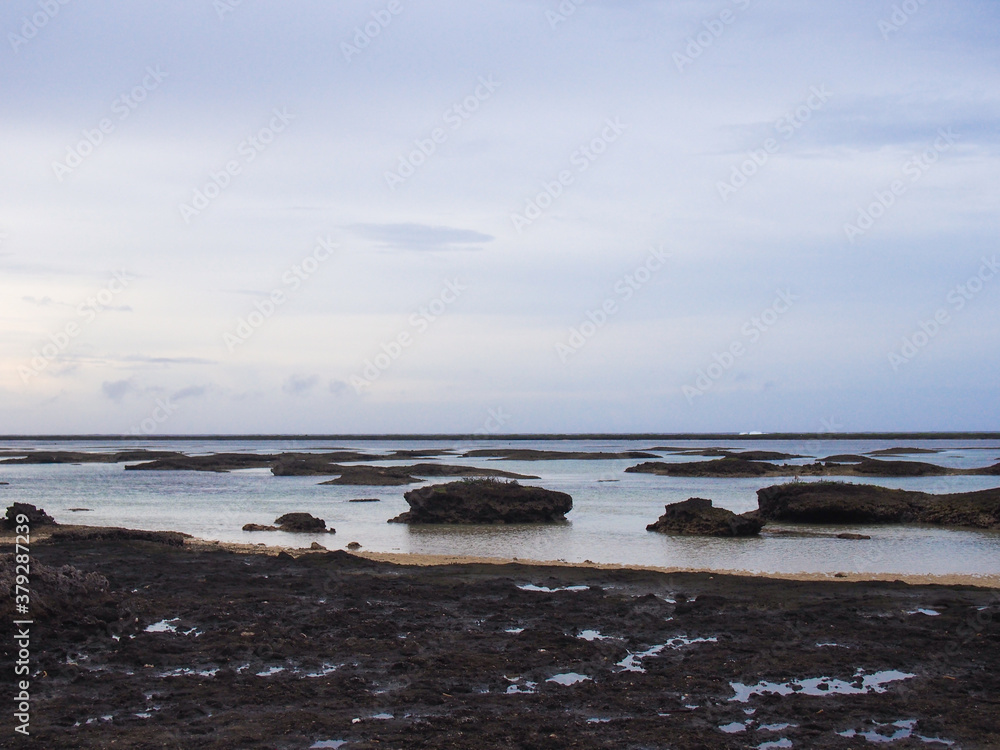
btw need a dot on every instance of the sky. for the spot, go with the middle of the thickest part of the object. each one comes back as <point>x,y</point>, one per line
<point>499,217</point>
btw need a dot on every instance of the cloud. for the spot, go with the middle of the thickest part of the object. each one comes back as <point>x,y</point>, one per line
<point>116,390</point>
<point>299,385</point>
<point>41,302</point>
<point>192,391</point>
<point>141,358</point>
<point>421,237</point>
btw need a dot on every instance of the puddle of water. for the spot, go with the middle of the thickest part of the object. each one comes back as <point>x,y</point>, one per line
<point>515,631</point>
<point>734,728</point>
<point>270,671</point>
<point>184,671</point>
<point>163,626</point>
<point>831,645</point>
<point>528,687</point>
<point>598,721</point>
<point>324,670</point>
<point>928,612</point>
<point>774,727</point>
<point>903,730</point>
<point>631,663</point>
<point>592,635</point>
<point>783,742</point>
<point>819,686</point>
<point>568,678</point>
<point>381,717</point>
<point>327,743</point>
<point>547,590</point>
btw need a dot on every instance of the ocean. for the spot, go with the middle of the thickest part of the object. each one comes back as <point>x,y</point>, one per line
<point>607,524</point>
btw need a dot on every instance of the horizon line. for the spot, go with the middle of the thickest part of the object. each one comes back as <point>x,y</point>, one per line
<point>889,435</point>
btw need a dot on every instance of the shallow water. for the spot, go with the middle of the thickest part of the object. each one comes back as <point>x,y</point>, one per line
<point>607,523</point>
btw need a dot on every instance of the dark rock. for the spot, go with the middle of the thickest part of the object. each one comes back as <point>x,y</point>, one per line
<point>848,535</point>
<point>398,475</point>
<point>696,516</point>
<point>316,545</point>
<point>484,501</point>
<point>527,454</point>
<point>721,467</point>
<point>300,522</point>
<point>258,527</point>
<point>354,545</point>
<point>36,516</point>
<point>841,503</point>
<point>835,466</point>
<point>901,451</point>
<point>116,534</point>
<point>364,500</point>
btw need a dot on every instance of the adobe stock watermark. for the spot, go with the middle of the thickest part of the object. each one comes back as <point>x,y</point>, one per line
<point>914,169</point>
<point>291,280</point>
<point>581,158</point>
<point>160,414</point>
<point>714,28</point>
<point>494,422</point>
<point>87,310</point>
<point>562,13</point>
<point>454,117</point>
<point>363,35</point>
<point>901,15</point>
<point>957,298</point>
<point>752,330</point>
<point>122,106</point>
<point>419,322</point>
<point>786,126</point>
<point>224,7</point>
<point>624,289</point>
<point>249,149</point>
<point>30,26</point>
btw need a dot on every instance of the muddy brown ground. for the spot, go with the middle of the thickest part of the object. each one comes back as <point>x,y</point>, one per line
<point>283,652</point>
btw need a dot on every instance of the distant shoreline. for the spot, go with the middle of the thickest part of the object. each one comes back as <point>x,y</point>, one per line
<point>538,436</point>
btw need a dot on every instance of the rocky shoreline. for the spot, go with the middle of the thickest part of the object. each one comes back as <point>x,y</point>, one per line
<point>143,640</point>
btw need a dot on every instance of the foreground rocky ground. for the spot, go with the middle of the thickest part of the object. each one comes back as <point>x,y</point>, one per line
<point>200,647</point>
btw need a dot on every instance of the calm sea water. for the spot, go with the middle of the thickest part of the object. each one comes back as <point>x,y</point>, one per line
<point>607,523</point>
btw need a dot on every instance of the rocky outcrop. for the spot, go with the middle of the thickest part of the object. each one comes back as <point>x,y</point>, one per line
<point>842,503</point>
<point>76,457</point>
<point>484,501</point>
<point>721,467</point>
<point>387,476</point>
<point>696,516</point>
<point>304,523</point>
<point>116,534</point>
<point>36,516</point>
<point>528,454</point>
<point>834,466</point>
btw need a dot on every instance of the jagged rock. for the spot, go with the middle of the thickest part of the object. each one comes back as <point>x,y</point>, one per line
<point>36,516</point>
<point>696,516</point>
<point>294,522</point>
<point>484,501</point>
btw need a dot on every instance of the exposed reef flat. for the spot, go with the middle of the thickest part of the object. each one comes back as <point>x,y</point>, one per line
<point>145,644</point>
